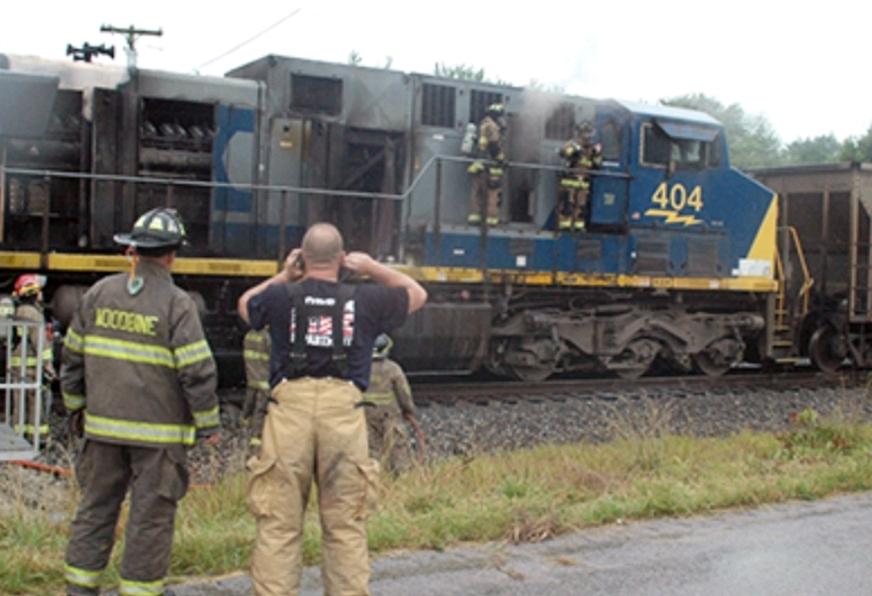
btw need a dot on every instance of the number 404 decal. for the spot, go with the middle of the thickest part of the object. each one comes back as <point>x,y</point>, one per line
<point>671,201</point>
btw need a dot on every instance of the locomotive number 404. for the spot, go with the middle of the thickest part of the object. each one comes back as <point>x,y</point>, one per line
<point>677,198</point>
<point>671,201</point>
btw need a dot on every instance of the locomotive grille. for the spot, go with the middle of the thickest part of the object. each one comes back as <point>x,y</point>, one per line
<point>652,256</point>
<point>521,246</point>
<point>479,101</point>
<point>437,105</point>
<point>316,94</point>
<point>561,123</point>
<point>702,256</point>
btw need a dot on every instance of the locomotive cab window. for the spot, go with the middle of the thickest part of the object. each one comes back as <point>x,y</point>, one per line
<point>656,146</point>
<point>694,149</point>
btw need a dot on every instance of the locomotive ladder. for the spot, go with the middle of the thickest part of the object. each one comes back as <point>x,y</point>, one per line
<point>789,313</point>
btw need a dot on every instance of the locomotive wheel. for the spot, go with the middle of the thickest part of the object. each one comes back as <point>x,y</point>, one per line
<point>710,366</point>
<point>827,349</point>
<point>636,359</point>
<point>532,374</point>
<point>717,359</point>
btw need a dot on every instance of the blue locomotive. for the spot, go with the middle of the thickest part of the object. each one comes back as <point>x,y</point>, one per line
<point>676,261</point>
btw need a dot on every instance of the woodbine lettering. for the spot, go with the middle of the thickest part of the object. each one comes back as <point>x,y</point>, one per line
<point>122,320</point>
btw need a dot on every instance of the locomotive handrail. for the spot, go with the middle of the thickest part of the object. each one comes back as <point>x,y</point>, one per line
<point>535,166</point>
<point>201,184</point>
<point>808,281</point>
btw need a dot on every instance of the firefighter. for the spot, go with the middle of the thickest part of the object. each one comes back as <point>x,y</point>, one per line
<point>28,294</point>
<point>322,334</point>
<point>391,396</point>
<point>580,152</point>
<point>139,380</point>
<point>255,352</point>
<point>487,170</point>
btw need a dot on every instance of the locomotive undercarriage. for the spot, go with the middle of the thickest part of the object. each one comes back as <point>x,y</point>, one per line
<point>625,336</point>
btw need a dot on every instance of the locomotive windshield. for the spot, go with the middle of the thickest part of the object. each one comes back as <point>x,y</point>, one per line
<point>688,148</point>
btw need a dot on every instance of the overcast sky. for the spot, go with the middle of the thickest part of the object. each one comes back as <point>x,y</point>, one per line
<point>801,64</point>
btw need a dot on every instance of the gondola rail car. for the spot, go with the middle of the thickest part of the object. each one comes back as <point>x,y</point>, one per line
<point>677,262</point>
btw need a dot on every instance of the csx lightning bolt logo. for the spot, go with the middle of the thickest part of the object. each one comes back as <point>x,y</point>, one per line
<point>671,201</point>
<point>672,217</point>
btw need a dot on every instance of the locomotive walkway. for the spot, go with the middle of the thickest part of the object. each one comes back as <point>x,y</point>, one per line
<point>810,548</point>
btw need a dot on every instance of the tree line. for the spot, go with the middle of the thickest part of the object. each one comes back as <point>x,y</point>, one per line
<point>753,142</point>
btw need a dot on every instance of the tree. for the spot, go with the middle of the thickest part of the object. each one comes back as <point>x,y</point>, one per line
<point>857,148</point>
<point>465,72</point>
<point>821,149</point>
<point>751,139</point>
<point>354,59</point>
<point>460,71</point>
<point>537,85</point>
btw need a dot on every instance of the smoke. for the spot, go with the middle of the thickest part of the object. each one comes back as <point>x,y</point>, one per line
<point>77,76</point>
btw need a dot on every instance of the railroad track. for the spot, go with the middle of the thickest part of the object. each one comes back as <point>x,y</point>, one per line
<point>450,391</point>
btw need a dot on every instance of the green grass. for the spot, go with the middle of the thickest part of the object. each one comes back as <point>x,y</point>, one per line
<point>525,495</point>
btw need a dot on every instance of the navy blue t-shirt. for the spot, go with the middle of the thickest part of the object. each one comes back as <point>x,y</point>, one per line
<point>372,310</point>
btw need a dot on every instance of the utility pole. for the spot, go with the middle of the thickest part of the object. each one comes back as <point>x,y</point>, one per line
<point>131,34</point>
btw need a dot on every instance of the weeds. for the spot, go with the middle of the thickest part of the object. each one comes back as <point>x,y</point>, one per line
<point>527,495</point>
<point>810,436</point>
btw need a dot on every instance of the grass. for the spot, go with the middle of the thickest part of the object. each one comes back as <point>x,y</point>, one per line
<point>520,496</point>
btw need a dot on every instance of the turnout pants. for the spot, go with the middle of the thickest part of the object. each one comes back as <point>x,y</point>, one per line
<point>388,439</point>
<point>315,430</point>
<point>485,192</point>
<point>254,407</point>
<point>158,479</point>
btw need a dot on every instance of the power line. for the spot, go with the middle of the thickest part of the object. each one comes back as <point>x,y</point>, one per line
<point>247,41</point>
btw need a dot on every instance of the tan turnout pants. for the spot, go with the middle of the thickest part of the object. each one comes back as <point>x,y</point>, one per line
<point>388,439</point>
<point>315,431</point>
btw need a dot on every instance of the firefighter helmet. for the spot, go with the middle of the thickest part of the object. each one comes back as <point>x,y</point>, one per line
<point>155,229</point>
<point>28,284</point>
<point>496,110</point>
<point>382,346</point>
<point>585,129</point>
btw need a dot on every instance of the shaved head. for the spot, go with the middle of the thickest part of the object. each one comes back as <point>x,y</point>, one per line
<point>322,245</point>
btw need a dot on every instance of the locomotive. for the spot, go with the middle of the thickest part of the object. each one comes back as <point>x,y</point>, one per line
<point>678,263</point>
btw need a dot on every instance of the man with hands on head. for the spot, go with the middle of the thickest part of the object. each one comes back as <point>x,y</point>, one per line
<point>322,334</point>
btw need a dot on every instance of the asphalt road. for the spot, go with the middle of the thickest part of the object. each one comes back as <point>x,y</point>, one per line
<point>807,548</point>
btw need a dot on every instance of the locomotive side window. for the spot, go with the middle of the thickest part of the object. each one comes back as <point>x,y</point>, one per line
<point>438,105</point>
<point>561,123</point>
<point>316,94</point>
<point>656,146</point>
<point>610,137</point>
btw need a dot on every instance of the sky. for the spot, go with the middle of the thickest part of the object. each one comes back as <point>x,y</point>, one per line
<point>799,64</point>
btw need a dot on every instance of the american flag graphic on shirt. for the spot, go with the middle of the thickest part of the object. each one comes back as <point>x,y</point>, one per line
<point>319,328</point>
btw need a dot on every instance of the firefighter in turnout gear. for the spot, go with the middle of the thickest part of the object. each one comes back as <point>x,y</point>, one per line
<point>487,170</point>
<point>391,396</point>
<point>255,352</point>
<point>28,294</point>
<point>139,380</point>
<point>579,152</point>
<point>322,334</point>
